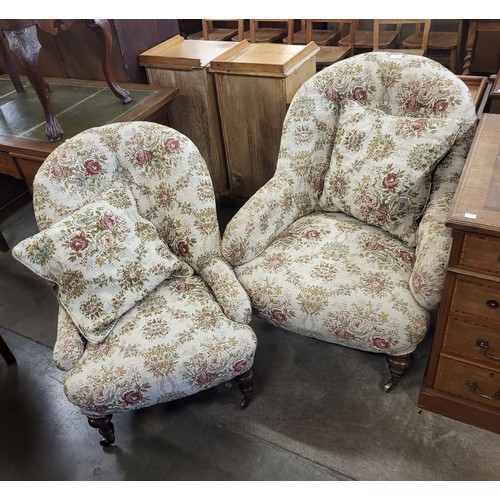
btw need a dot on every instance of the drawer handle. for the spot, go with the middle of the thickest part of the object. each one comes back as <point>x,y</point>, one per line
<point>484,345</point>
<point>473,387</point>
<point>492,304</point>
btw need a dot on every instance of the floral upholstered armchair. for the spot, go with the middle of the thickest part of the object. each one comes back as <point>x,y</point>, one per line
<point>150,310</point>
<point>347,242</point>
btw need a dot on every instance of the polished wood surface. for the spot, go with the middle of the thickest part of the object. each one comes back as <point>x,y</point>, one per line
<point>462,379</point>
<point>185,64</point>
<point>476,206</point>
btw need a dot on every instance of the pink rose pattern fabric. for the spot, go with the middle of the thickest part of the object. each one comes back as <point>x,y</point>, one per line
<point>104,258</point>
<point>271,242</point>
<point>188,334</point>
<point>381,167</point>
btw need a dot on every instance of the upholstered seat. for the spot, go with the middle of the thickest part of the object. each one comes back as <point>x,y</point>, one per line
<point>185,333</point>
<point>318,248</point>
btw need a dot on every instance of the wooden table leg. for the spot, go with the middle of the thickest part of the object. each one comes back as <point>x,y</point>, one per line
<point>6,352</point>
<point>25,45</point>
<point>103,31</point>
<point>4,246</point>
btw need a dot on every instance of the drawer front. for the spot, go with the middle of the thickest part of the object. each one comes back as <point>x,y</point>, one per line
<point>481,298</point>
<point>469,382</point>
<point>8,166</point>
<point>482,253</point>
<point>473,340</point>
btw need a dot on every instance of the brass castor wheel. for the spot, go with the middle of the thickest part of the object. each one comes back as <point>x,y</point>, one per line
<point>390,385</point>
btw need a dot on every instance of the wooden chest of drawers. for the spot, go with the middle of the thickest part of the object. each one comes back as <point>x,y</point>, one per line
<point>463,375</point>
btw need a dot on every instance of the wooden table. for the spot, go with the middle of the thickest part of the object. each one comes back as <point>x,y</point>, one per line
<point>462,380</point>
<point>79,104</point>
<point>23,42</point>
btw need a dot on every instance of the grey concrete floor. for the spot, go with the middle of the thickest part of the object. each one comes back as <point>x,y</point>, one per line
<point>319,413</point>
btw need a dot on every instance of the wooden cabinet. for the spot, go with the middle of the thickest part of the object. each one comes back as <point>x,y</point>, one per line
<point>185,64</point>
<point>462,380</point>
<point>255,84</point>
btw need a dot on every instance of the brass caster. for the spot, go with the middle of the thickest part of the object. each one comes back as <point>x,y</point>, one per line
<point>245,402</point>
<point>390,385</point>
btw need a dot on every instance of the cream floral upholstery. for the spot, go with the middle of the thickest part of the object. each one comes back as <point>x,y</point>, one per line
<point>191,331</point>
<point>329,275</point>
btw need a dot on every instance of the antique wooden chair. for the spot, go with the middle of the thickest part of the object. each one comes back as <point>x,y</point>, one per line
<point>260,30</point>
<point>330,54</point>
<point>419,48</point>
<point>364,39</point>
<point>213,30</point>
<point>322,35</point>
<point>438,41</point>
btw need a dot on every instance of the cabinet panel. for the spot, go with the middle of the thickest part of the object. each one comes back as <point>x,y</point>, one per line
<point>469,382</point>
<point>481,298</point>
<point>482,253</point>
<point>8,166</point>
<point>473,340</point>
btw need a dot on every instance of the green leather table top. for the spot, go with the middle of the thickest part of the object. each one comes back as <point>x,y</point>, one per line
<point>77,106</point>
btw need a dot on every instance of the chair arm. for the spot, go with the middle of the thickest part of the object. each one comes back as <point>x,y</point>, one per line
<point>69,345</point>
<point>431,256</point>
<point>228,291</point>
<point>262,218</point>
<point>434,237</point>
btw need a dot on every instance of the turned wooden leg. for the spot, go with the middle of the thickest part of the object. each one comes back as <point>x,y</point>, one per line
<point>14,77</point>
<point>6,352</point>
<point>397,367</point>
<point>25,45</point>
<point>246,386</point>
<point>103,31</point>
<point>106,428</point>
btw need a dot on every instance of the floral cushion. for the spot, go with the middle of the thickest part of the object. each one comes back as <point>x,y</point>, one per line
<point>381,166</point>
<point>174,343</point>
<point>104,258</point>
<point>337,279</point>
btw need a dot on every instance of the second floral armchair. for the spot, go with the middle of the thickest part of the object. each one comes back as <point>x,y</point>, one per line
<point>347,242</point>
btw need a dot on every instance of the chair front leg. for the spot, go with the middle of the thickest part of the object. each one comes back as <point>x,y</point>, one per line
<point>397,367</point>
<point>106,428</point>
<point>246,386</point>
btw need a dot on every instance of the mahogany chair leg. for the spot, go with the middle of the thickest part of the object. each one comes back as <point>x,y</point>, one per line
<point>246,386</point>
<point>106,428</point>
<point>397,368</point>
<point>9,67</point>
<point>6,352</point>
<point>103,31</point>
<point>25,45</point>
